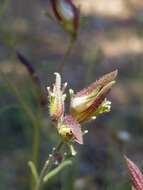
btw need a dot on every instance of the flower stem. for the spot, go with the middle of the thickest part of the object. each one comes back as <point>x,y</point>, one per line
<point>57,170</point>
<point>33,170</point>
<point>47,167</point>
<point>35,121</point>
<point>35,150</point>
<point>67,54</point>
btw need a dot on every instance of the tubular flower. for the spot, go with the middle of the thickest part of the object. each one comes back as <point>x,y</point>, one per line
<point>70,129</point>
<point>91,101</point>
<point>56,99</point>
<point>67,15</point>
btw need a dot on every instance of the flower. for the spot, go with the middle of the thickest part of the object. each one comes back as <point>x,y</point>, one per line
<point>67,15</point>
<point>56,99</point>
<point>91,101</point>
<point>84,105</point>
<point>136,175</point>
<point>70,129</point>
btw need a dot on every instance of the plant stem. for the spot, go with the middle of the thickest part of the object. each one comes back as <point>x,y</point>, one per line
<point>36,138</point>
<point>67,54</point>
<point>33,170</point>
<point>57,170</point>
<point>35,149</point>
<point>47,167</point>
<point>35,121</point>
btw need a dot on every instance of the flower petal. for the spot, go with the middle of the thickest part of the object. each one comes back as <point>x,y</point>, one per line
<point>99,84</point>
<point>56,99</point>
<point>75,128</point>
<point>86,103</point>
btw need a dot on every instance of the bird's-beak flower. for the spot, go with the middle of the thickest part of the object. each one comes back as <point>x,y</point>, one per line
<point>91,101</point>
<point>56,99</point>
<point>70,129</point>
<point>67,14</point>
<point>84,105</point>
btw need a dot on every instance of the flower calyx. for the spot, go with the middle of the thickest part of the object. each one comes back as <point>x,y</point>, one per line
<point>56,99</point>
<point>91,101</point>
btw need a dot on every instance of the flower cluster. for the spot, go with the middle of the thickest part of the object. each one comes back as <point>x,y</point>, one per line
<point>84,105</point>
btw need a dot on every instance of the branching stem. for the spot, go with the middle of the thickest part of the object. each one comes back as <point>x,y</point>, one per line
<point>47,166</point>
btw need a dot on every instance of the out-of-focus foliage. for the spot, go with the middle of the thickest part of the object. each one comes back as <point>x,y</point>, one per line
<point>110,38</point>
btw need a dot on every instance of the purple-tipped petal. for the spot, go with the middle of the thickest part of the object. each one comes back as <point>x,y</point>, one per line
<point>54,6</point>
<point>91,110</point>
<point>75,128</point>
<point>99,84</point>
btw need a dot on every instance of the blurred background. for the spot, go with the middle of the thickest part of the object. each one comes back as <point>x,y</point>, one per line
<point>111,37</point>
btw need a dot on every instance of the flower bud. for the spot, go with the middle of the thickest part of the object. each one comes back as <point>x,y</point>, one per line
<point>56,99</point>
<point>70,130</point>
<point>136,175</point>
<point>90,102</point>
<point>30,68</point>
<point>32,72</point>
<point>67,15</point>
